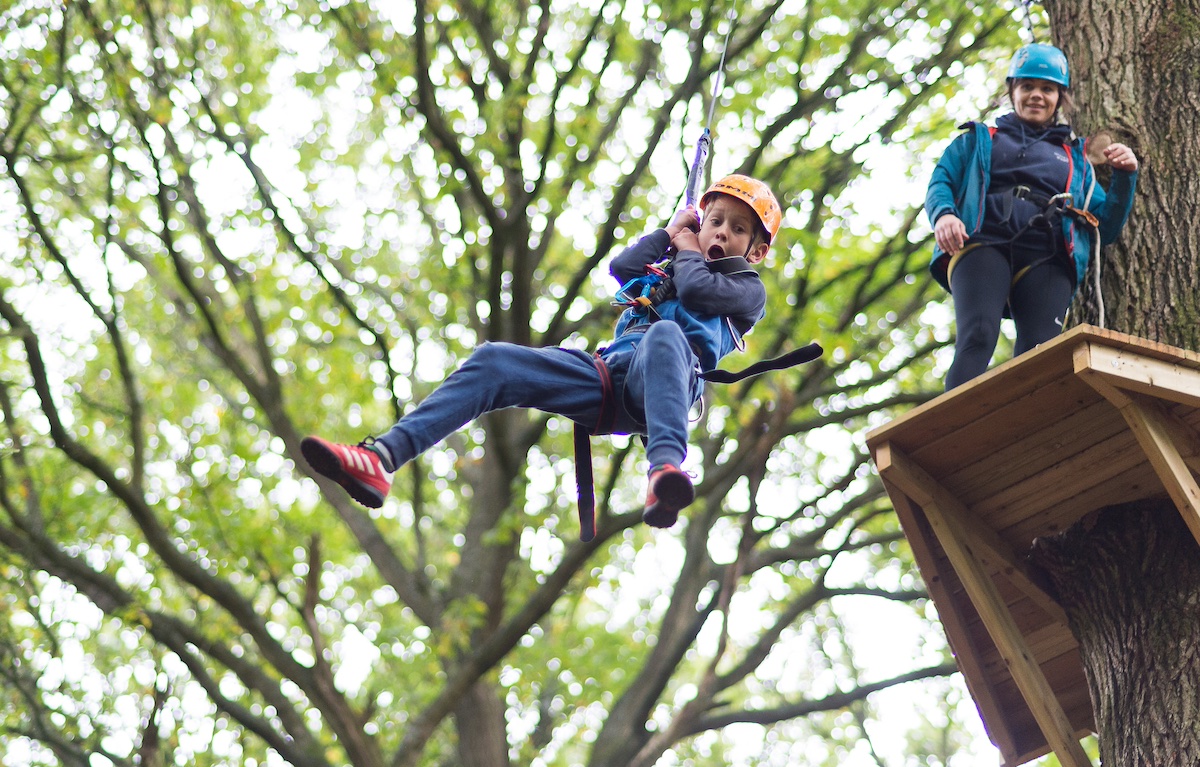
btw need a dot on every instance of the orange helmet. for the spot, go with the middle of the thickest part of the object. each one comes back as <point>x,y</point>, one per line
<point>754,193</point>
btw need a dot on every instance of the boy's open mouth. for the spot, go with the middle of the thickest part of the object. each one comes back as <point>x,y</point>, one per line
<point>715,252</point>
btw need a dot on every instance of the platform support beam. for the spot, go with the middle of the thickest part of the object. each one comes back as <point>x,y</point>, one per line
<point>1158,432</point>
<point>948,518</point>
<point>957,632</point>
<point>990,549</point>
<point>1138,373</point>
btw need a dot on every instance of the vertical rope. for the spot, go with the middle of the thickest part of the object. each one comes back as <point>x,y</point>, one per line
<point>695,180</point>
<point>1029,19</point>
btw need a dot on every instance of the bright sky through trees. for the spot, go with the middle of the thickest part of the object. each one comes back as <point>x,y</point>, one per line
<point>224,229</point>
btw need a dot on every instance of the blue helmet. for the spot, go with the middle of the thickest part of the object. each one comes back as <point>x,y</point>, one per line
<point>1040,62</point>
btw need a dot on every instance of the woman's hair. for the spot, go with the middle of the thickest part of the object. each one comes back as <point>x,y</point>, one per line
<point>1066,102</point>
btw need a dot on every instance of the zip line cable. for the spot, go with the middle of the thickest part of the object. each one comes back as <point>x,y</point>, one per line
<point>695,178</point>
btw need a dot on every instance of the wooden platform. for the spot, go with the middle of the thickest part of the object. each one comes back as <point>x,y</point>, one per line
<point>1089,419</point>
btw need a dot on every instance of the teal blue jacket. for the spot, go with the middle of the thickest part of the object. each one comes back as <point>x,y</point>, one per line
<point>960,184</point>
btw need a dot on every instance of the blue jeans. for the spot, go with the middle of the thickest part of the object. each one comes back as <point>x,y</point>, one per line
<point>656,382</point>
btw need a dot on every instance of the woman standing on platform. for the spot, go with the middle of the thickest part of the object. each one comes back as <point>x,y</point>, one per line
<point>1016,212</point>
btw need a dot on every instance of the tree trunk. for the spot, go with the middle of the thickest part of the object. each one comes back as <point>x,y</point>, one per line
<point>1129,576</point>
<point>480,577</point>
<point>1129,579</point>
<point>1134,70</point>
<point>479,722</point>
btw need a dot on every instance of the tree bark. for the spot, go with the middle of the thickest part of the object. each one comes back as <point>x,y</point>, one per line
<point>1134,69</point>
<point>1129,576</point>
<point>1129,579</point>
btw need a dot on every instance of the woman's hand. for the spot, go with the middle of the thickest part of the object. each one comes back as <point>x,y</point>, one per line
<point>1121,157</point>
<point>950,233</point>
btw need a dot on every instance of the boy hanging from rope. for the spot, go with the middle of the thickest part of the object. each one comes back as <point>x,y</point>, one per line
<point>645,382</point>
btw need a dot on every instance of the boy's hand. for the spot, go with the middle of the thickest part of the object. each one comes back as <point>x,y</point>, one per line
<point>686,218</point>
<point>686,240</point>
<point>683,229</point>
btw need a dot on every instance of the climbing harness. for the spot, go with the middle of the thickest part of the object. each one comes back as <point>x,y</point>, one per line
<point>1061,204</point>
<point>642,294</point>
<point>584,478</point>
<point>1051,209</point>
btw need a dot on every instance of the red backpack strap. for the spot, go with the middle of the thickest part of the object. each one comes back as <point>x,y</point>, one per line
<point>1070,166</point>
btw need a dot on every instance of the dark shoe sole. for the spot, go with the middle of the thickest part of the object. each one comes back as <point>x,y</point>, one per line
<point>326,462</point>
<point>672,491</point>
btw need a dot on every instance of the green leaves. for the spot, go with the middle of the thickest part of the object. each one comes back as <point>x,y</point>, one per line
<point>229,225</point>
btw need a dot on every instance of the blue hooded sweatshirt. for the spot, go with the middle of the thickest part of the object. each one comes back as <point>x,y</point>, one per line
<point>715,307</point>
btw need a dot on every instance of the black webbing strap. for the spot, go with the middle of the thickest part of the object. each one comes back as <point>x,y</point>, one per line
<point>584,479</point>
<point>792,358</point>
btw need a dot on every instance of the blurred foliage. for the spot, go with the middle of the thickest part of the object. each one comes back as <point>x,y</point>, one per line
<point>228,224</point>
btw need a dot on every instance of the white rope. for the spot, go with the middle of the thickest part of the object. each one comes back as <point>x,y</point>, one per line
<point>1028,19</point>
<point>1087,201</point>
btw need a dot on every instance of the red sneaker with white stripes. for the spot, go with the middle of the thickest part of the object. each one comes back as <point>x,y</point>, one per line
<point>355,467</point>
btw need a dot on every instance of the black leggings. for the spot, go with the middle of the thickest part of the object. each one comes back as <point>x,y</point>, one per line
<point>981,285</point>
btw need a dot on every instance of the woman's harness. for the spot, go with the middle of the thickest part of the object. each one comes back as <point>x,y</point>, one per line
<point>1052,207</point>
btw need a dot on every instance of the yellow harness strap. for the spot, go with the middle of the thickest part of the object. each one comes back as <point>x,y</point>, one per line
<point>958,256</point>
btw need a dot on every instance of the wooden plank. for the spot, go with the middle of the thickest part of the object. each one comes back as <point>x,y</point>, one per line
<point>1141,346</point>
<point>977,398</point>
<point>1027,613</point>
<point>978,439</point>
<point>1050,641</point>
<point>967,651</point>
<point>1135,483</point>
<point>1060,482</point>
<point>957,543</point>
<point>989,548</point>
<point>1173,381</point>
<point>1040,449</point>
<point>1155,430</point>
<point>1075,700</point>
<point>1160,434</point>
<point>1181,427</point>
<point>1065,674</point>
<point>1025,373</point>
